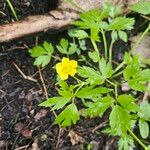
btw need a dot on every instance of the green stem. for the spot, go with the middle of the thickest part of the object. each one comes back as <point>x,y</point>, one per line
<point>117,74</point>
<point>97,51</point>
<point>12,9</point>
<point>137,139</point>
<point>105,43</point>
<point>110,51</point>
<point>115,86</point>
<point>119,67</point>
<point>140,38</point>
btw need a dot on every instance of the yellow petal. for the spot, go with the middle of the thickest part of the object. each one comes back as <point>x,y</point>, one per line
<point>65,61</point>
<point>59,68</point>
<point>63,76</point>
<point>73,72</point>
<point>73,64</point>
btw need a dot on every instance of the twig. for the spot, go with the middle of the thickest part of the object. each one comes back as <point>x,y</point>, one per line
<point>58,139</point>
<point>23,75</point>
<point>43,83</point>
<point>100,126</point>
<point>44,87</point>
<point>22,147</point>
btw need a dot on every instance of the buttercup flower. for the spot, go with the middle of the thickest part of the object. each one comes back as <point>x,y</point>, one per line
<point>66,67</point>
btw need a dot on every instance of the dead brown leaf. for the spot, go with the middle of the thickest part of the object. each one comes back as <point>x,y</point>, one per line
<point>42,113</point>
<point>75,138</point>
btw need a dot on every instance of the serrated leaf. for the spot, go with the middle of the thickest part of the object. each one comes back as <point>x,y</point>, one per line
<point>80,34</point>
<point>95,33</point>
<point>144,128</point>
<point>127,58</point>
<point>119,120</point>
<point>37,51</point>
<point>93,56</point>
<point>121,23</point>
<point>42,54</point>
<point>91,92</point>
<point>128,103</point>
<point>63,84</point>
<point>106,69</point>
<point>62,48</point>
<point>82,45</point>
<point>98,108</point>
<point>123,36</point>
<point>72,49</point>
<point>126,143</point>
<point>92,76</point>
<point>141,7</point>
<point>55,102</point>
<point>48,47</point>
<point>42,60</point>
<point>68,116</point>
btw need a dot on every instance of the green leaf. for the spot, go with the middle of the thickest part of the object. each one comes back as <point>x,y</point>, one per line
<point>91,92</point>
<point>128,103</point>
<point>55,102</point>
<point>82,45</point>
<point>72,49</point>
<point>63,46</point>
<point>42,54</point>
<point>113,10</point>
<point>92,76</point>
<point>144,128</point>
<point>66,92</point>
<point>123,36</point>
<point>141,7</point>
<point>104,25</point>
<point>121,23</point>
<point>98,108</point>
<point>106,69</point>
<point>48,47</point>
<point>95,33</point>
<point>42,60</point>
<point>126,143</point>
<point>127,58</point>
<point>93,56</point>
<point>144,111</point>
<point>119,120</point>
<point>80,34</point>
<point>63,84</point>
<point>114,36</point>
<point>37,51</point>
<point>68,116</point>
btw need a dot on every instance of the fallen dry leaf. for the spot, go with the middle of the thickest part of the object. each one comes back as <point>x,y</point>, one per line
<point>75,138</point>
<point>19,126</point>
<point>24,131</point>
<point>42,113</point>
<point>35,145</point>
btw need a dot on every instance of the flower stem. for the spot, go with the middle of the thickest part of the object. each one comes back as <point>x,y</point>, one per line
<point>115,86</point>
<point>140,38</point>
<point>137,139</point>
<point>97,51</point>
<point>105,43</point>
<point>119,67</point>
<point>110,51</point>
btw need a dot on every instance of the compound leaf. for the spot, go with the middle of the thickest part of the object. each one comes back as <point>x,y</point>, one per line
<point>55,102</point>
<point>68,116</point>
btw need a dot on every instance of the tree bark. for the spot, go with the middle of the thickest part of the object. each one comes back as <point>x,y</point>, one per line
<point>55,20</point>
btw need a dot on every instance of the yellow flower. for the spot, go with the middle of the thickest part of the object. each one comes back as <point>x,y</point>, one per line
<point>66,67</point>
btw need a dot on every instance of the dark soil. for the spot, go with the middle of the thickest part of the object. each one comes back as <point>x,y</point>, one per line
<point>25,125</point>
